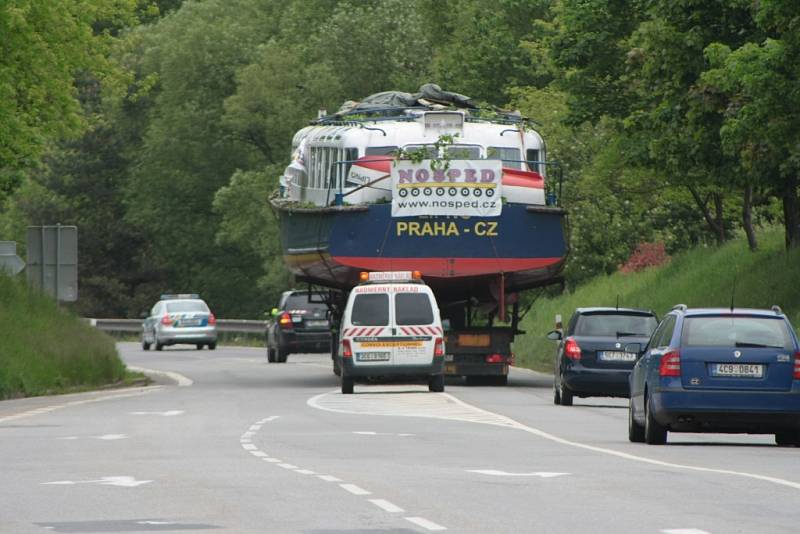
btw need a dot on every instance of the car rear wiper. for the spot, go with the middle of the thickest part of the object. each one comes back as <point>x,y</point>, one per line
<point>757,345</point>
<point>623,334</point>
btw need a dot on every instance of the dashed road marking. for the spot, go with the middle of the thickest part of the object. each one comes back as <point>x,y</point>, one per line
<point>386,506</point>
<point>493,472</point>
<point>426,524</point>
<point>389,507</point>
<point>355,490</point>
<point>684,531</point>
<point>168,413</point>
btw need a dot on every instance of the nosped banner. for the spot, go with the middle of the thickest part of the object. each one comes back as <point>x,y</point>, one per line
<point>465,188</point>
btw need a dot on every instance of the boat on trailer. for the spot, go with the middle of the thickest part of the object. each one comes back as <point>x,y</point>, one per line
<point>389,188</point>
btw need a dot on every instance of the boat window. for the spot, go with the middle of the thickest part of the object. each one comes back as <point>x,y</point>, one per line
<point>463,151</point>
<point>532,155</point>
<point>370,310</point>
<point>412,309</point>
<point>430,150</point>
<point>510,156</point>
<point>380,151</point>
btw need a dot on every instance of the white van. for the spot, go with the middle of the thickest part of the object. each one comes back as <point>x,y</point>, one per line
<point>391,328</point>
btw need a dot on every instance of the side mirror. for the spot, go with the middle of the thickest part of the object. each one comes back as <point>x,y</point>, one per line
<point>633,347</point>
<point>554,335</point>
<point>445,324</point>
<point>274,312</point>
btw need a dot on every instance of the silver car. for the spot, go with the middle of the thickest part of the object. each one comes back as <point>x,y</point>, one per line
<point>180,319</point>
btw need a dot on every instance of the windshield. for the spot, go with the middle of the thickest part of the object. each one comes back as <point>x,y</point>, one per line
<point>736,331</point>
<point>370,310</point>
<point>412,309</point>
<point>615,324</point>
<point>187,306</point>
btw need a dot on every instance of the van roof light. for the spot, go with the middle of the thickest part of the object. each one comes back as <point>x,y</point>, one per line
<point>391,276</point>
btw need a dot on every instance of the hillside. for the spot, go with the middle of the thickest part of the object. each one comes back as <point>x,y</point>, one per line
<point>703,276</point>
<point>45,350</point>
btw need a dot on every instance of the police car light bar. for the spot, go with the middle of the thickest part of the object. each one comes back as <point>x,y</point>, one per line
<point>180,296</point>
<point>390,276</point>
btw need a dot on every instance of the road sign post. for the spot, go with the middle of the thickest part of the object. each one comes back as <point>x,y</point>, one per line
<point>10,263</point>
<point>53,260</point>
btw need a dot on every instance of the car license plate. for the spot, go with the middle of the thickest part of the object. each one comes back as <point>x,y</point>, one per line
<point>190,322</point>
<point>616,356</point>
<point>372,356</point>
<point>742,370</point>
<point>316,324</point>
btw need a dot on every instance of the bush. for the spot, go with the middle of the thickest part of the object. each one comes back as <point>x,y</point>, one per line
<point>646,255</point>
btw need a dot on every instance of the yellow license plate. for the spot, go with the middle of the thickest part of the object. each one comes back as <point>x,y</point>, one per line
<point>474,340</point>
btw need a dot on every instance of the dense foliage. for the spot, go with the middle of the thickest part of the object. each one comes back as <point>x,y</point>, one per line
<point>160,127</point>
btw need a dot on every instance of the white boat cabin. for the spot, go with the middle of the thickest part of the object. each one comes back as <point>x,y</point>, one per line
<point>353,158</point>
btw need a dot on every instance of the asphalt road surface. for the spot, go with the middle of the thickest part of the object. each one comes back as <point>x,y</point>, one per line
<point>226,442</point>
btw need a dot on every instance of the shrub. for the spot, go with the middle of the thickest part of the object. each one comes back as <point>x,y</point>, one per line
<point>646,255</point>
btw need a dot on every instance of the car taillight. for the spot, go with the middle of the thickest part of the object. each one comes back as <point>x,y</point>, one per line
<point>166,320</point>
<point>285,320</point>
<point>211,319</point>
<point>670,364</point>
<point>572,349</point>
<point>438,347</point>
<point>495,358</point>
<point>347,351</point>
<point>797,365</point>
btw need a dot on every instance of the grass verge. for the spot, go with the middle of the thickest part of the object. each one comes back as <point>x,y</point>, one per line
<point>45,350</point>
<point>701,277</point>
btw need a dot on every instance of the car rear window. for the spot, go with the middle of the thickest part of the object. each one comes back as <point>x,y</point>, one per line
<point>370,310</point>
<point>736,331</point>
<point>615,324</point>
<point>412,309</point>
<point>186,306</point>
<point>300,302</point>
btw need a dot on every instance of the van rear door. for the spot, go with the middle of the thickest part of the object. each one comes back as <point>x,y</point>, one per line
<point>368,328</point>
<point>416,325</point>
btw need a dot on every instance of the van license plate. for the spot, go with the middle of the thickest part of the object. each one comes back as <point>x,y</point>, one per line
<point>743,370</point>
<point>372,356</point>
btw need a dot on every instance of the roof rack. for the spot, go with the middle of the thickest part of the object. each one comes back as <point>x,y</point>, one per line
<point>681,307</point>
<point>777,309</point>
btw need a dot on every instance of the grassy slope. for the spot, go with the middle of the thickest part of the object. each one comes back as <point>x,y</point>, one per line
<point>46,350</point>
<point>701,277</point>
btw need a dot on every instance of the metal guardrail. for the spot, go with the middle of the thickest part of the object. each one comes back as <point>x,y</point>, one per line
<point>241,326</point>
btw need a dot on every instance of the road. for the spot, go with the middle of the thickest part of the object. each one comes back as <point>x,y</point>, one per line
<point>228,443</point>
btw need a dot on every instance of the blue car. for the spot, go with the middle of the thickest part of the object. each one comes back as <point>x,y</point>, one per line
<point>718,370</point>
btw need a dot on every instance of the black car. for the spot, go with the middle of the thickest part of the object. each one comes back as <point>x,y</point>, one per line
<point>300,324</point>
<point>591,360</point>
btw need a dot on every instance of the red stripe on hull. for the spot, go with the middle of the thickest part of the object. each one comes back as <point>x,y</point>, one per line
<point>448,267</point>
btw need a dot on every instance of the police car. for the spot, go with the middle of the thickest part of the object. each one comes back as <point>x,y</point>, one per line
<point>391,328</point>
<point>180,319</point>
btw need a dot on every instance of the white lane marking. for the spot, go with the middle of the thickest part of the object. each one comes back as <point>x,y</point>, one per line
<point>355,490</point>
<point>124,481</point>
<point>255,428</point>
<point>370,433</point>
<point>181,380</point>
<point>329,478</point>
<point>39,411</point>
<point>684,531</point>
<point>105,437</point>
<point>168,413</point>
<point>446,406</point>
<point>156,523</point>
<point>424,523</point>
<point>492,472</point>
<point>260,454</point>
<point>273,460</point>
<point>248,434</point>
<point>249,447</point>
<point>386,506</point>
<point>305,472</point>
<point>287,466</point>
